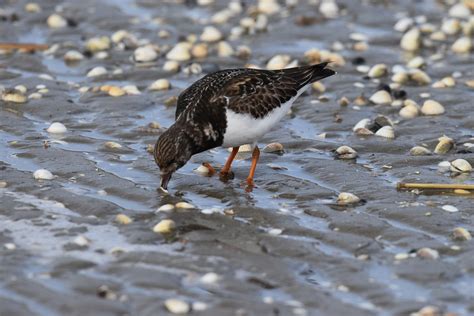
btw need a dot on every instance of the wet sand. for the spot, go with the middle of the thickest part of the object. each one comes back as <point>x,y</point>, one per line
<point>286,248</point>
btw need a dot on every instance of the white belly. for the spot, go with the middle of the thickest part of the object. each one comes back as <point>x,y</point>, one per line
<point>245,129</point>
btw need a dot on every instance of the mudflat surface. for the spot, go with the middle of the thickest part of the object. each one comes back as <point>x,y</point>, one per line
<point>286,248</point>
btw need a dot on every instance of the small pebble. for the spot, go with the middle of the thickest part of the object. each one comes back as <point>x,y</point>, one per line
<point>10,246</point>
<point>199,306</point>
<point>450,208</point>
<point>56,128</point>
<point>123,219</point>
<point>431,107</point>
<point>165,226</point>
<point>275,231</point>
<point>177,306</point>
<point>427,253</point>
<point>160,84</point>
<point>346,198</point>
<point>3,184</point>
<point>462,234</point>
<point>346,152</point>
<point>43,174</point>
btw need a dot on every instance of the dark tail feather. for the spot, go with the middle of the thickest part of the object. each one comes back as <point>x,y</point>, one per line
<point>308,74</point>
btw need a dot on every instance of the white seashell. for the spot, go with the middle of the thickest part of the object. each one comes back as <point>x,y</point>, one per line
<point>96,44</point>
<point>411,40</point>
<point>431,107</point>
<point>400,77</point>
<point>416,62</point>
<point>13,96</point>
<point>81,241</point>
<point>123,219</point>
<point>221,17</point>
<point>346,152</point>
<point>199,306</point>
<point>386,131</point>
<point>211,34</point>
<point>460,233</point>
<point>329,9</point>
<point>35,96</point>
<point>165,208</point>
<point>145,54</point>
<point>119,36</point>
<point>224,49</point>
<point>268,6</point>
<point>444,145</point>
<point>438,36</point>
<point>202,170</point>
<point>177,306</point>
<point>209,278</point>
<point>160,84</point>
<point>346,198</point>
<point>378,71</point>
<point>409,111</point>
<point>381,97</point>
<point>205,2</point>
<point>115,91</point>
<point>459,10</point>
<point>444,166</point>
<point>171,66</point>
<point>184,205</point>
<point>112,145</point>
<point>419,151</point>
<point>363,69</point>
<point>364,123</point>
<point>180,52</point>
<point>401,256</point>
<point>427,253</point>
<point>165,226</point>
<point>261,22</point>
<point>273,148</point>
<point>451,26</point>
<point>461,165</point>
<point>56,128</point>
<point>278,62</point>
<point>73,55</point>
<point>420,77</point>
<point>131,90</point>
<point>32,7</point>
<point>97,71</point>
<point>275,231</point>
<point>450,208</point>
<point>318,87</point>
<point>462,45</point>
<point>43,174</point>
<point>55,21</point>
<point>448,81</point>
<point>199,50</point>
<point>21,88</point>
<point>403,24</point>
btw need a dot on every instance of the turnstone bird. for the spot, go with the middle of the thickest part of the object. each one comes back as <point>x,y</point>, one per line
<point>231,108</point>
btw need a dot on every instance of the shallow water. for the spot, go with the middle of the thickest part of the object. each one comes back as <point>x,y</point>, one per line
<point>328,260</point>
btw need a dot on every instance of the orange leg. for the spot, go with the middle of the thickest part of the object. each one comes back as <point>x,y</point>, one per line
<point>228,163</point>
<point>255,156</point>
<point>212,171</point>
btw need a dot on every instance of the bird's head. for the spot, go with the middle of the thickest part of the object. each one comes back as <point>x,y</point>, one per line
<point>172,150</point>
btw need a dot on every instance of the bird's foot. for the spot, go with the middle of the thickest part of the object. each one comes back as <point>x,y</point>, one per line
<point>250,185</point>
<point>226,176</point>
<point>212,171</point>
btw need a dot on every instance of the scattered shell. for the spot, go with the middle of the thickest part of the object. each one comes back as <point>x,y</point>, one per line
<point>43,174</point>
<point>13,95</point>
<point>184,205</point>
<point>199,306</point>
<point>377,71</point>
<point>224,49</point>
<point>329,9</point>
<point>3,184</point>
<point>344,101</point>
<point>211,34</point>
<point>199,50</point>
<point>411,40</point>
<point>96,44</point>
<point>409,111</point>
<point>278,62</point>
<point>165,226</point>
<point>400,77</point>
<point>346,152</point>
<point>209,278</point>
<point>115,91</point>
<point>450,208</point>
<point>427,253</point>
<point>419,151</point>
<point>97,71</point>
<point>461,192</point>
<point>403,24</point>
<point>112,145</point>
<point>145,54</point>
<point>460,233</point>
<point>81,241</point>
<point>386,131</point>
<point>431,107</point>
<point>459,10</point>
<point>401,256</point>
<point>123,219</point>
<point>131,90</point>
<point>429,311</point>
<point>171,66</point>
<point>420,77</point>
<point>177,306</point>
<point>32,7</point>
<point>73,55</point>
<point>444,166</point>
<point>56,128</point>
<point>273,148</point>
<point>461,166</point>
<point>444,145</point>
<point>160,84</point>
<point>462,45</point>
<point>381,97</point>
<point>165,208</point>
<point>416,62</point>
<point>318,87</point>
<point>346,198</point>
<point>364,123</point>
<point>268,6</point>
<point>202,170</point>
<point>180,52</point>
<point>55,21</point>
<point>451,26</point>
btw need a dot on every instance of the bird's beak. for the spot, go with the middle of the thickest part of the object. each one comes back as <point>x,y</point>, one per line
<point>165,178</point>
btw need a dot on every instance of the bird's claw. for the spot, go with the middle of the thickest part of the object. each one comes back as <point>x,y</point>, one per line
<point>226,176</point>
